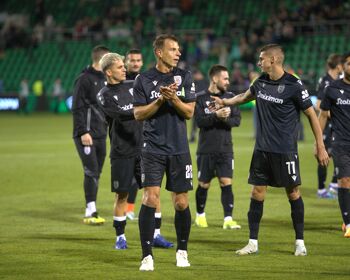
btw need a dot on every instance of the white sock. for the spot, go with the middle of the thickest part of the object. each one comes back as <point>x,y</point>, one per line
<point>322,191</point>
<point>201,215</point>
<point>121,236</point>
<point>156,232</point>
<point>347,226</point>
<point>157,215</point>
<point>119,218</point>
<point>228,218</point>
<point>254,241</point>
<point>90,208</point>
<point>299,242</point>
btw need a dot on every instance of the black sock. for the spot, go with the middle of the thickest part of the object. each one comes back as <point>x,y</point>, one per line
<point>146,228</point>
<point>119,227</point>
<point>254,216</point>
<point>321,175</point>
<point>297,214</point>
<point>334,178</point>
<point>183,228</point>
<point>201,199</point>
<point>344,204</point>
<point>132,193</point>
<point>158,222</point>
<point>227,200</point>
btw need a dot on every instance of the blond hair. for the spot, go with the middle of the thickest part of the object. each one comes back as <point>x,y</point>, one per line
<point>108,59</point>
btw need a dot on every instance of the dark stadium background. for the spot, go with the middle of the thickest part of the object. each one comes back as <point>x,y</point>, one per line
<point>43,40</point>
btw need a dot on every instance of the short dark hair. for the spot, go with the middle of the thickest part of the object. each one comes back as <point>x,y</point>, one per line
<point>333,60</point>
<point>269,47</point>
<point>97,53</point>
<point>133,51</point>
<point>216,69</point>
<point>345,56</point>
<point>158,43</point>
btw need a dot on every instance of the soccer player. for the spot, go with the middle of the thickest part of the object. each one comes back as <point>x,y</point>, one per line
<point>334,70</point>
<point>279,98</point>
<point>164,97</point>
<point>90,131</point>
<point>336,101</point>
<point>125,133</point>
<point>215,152</point>
<point>134,63</point>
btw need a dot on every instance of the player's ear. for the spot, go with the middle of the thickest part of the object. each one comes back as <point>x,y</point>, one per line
<point>272,59</point>
<point>159,52</point>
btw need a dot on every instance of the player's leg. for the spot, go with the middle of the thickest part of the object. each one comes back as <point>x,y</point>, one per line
<point>182,227</point>
<point>259,177</point>
<point>130,208</point>
<point>344,203</point>
<point>179,182</point>
<point>152,171</point>
<point>89,160</point>
<point>119,219</point>
<point>122,175</point>
<point>205,174</point>
<point>341,158</point>
<point>159,240</point>
<point>227,201</point>
<point>333,185</point>
<point>224,169</point>
<point>297,214</point>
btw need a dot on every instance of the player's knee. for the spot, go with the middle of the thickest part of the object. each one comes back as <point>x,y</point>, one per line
<point>204,185</point>
<point>151,199</point>
<point>181,204</point>
<point>293,193</point>
<point>344,182</point>
<point>258,193</point>
<point>91,173</point>
<point>121,197</point>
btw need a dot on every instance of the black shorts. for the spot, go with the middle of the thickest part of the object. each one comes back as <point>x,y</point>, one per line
<point>214,165</point>
<point>273,169</point>
<point>92,157</point>
<point>341,157</point>
<point>178,170</point>
<point>327,137</point>
<point>124,172</point>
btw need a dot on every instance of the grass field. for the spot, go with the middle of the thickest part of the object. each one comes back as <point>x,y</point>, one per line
<point>42,204</point>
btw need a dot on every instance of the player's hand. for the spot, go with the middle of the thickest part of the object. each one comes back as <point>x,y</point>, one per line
<point>223,113</point>
<point>216,104</point>
<point>168,92</point>
<point>86,139</point>
<point>321,155</point>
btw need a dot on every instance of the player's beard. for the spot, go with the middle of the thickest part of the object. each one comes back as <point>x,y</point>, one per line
<point>222,89</point>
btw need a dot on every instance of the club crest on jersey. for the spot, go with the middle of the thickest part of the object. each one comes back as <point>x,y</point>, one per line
<point>131,90</point>
<point>281,88</point>
<point>341,91</point>
<point>178,80</point>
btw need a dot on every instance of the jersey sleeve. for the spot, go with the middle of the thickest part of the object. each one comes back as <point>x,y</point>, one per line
<point>139,93</point>
<point>188,90</point>
<point>111,108</point>
<point>203,120</point>
<point>302,96</point>
<point>78,107</point>
<point>326,101</point>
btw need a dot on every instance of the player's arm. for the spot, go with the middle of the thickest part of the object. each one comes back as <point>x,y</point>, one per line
<point>144,112</point>
<point>78,111</point>
<point>236,100</point>
<point>320,150</point>
<point>322,118</point>
<point>112,109</point>
<point>204,120</point>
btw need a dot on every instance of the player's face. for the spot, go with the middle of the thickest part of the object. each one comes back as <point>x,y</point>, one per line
<point>264,62</point>
<point>222,81</point>
<point>170,53</point>
<point>134,62</point>
<point>116,72</point>
<point>346,67</point>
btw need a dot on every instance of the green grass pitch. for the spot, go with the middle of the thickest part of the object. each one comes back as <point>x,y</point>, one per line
<point>42,205</point>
